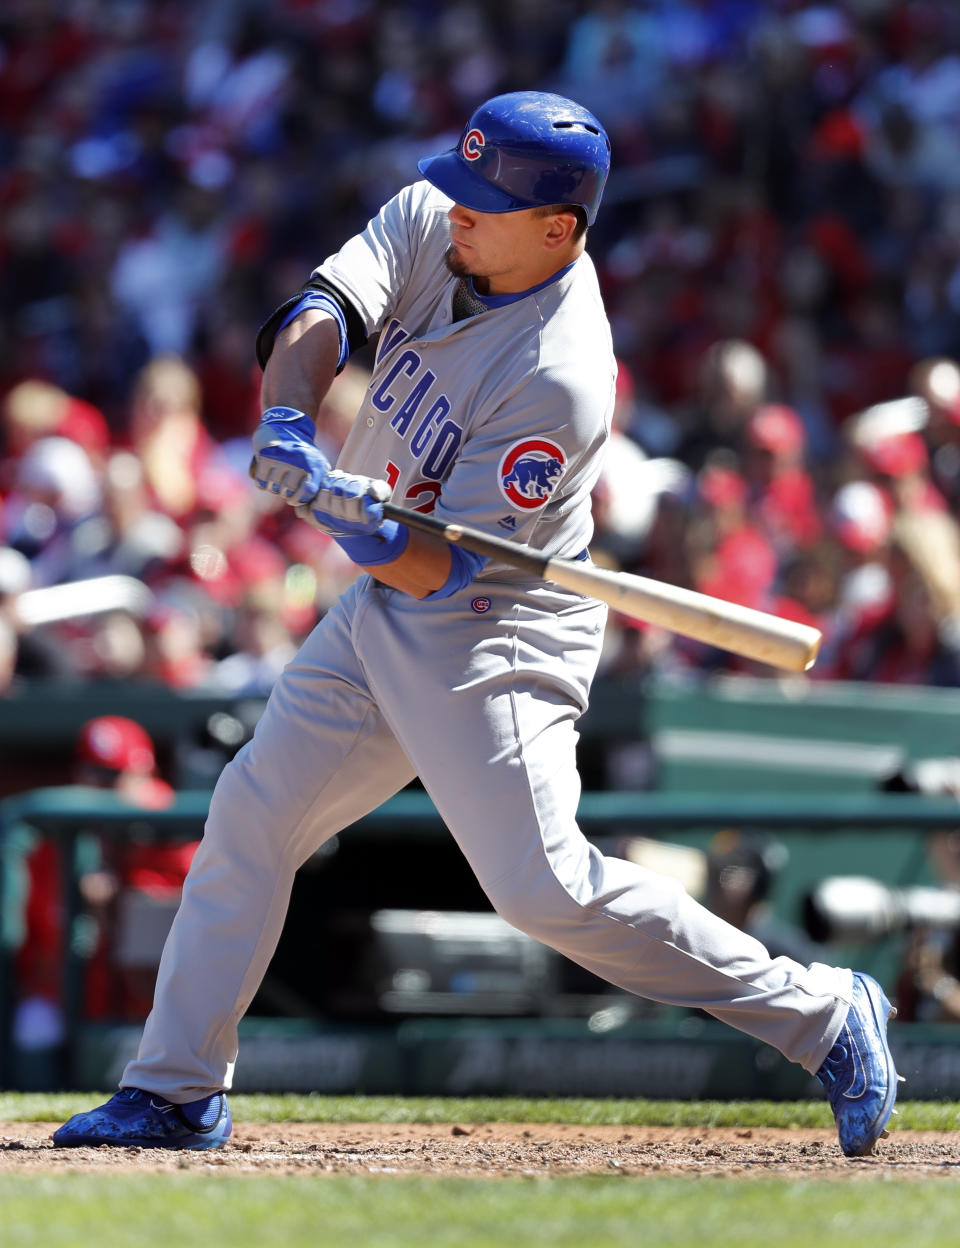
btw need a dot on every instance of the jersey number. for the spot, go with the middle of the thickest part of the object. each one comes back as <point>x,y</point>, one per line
<point>422,495</point>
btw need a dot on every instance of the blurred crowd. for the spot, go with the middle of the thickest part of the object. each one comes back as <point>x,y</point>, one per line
<point>779,252</point>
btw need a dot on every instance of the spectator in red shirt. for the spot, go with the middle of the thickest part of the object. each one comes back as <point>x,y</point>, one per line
<point>783,500</point>
<point>122,884</point>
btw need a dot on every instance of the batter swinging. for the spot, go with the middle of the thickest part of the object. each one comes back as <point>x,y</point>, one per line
<point>489,404</point>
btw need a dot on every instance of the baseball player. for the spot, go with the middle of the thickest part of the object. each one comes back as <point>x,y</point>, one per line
<point>489,404</point>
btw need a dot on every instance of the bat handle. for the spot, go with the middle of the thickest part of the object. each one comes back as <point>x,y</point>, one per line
<point>511,553</point>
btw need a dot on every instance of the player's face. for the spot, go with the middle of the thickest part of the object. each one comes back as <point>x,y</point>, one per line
<point>506,252</point>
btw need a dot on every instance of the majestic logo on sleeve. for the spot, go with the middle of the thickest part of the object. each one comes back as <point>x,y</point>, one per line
<point>473,142</point>
<point>530,471</point>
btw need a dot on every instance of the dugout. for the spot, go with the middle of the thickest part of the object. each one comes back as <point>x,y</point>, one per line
<point>794,761</point>
<point>299,1012</point>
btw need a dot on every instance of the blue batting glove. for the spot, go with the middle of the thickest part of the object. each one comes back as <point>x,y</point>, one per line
<point>285,459</point>
<point>350,509</point>
<point>346,505</point>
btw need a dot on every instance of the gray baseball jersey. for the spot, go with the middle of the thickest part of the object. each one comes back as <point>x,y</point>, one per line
<point>498,421</point>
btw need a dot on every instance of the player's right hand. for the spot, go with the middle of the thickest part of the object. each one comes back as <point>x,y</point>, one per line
<point>285,459</point>
<point>346,505</point>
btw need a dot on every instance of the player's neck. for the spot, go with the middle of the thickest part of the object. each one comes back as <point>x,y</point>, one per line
<point>528,276</point>
<point>499,301</point>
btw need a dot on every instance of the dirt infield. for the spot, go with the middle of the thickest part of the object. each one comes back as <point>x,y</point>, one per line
<point>498,1149</point>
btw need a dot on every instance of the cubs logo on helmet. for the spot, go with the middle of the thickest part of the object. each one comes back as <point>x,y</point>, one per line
<point>473,142</point>
<point>530,471</point>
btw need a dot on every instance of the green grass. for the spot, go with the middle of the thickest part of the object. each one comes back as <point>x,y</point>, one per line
<point>914,1115</point>
<point>511,1213</point>
<point>324,1210</point>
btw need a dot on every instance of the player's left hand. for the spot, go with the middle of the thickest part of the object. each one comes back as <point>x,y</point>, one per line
<point>346,505</point>
<point>285,459</point>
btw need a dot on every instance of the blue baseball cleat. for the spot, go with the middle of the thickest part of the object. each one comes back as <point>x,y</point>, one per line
<point>859,1073</point>
<point>134,1117</point>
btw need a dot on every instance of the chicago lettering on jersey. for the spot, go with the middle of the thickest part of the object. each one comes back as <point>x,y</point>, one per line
<point>416,415</point>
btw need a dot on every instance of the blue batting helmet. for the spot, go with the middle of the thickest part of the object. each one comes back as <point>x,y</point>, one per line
<point>523,150</point>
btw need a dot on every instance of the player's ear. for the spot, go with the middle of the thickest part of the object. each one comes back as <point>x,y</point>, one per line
<point>560,229</point>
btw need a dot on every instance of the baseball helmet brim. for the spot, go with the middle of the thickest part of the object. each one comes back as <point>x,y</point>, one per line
<point>450,173</point>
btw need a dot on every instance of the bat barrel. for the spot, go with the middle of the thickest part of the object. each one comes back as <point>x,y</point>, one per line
<point>757,635</point>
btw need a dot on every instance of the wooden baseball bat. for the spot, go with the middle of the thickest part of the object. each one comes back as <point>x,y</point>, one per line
<point>727,625</point>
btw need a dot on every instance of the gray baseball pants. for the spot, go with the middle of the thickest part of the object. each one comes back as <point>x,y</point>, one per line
<point>482,706</point>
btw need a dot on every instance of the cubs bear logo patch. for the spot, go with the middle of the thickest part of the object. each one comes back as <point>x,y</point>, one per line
<point>530,471</point>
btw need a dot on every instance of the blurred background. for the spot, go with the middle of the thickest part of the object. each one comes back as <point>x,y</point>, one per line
<point>779,253</point>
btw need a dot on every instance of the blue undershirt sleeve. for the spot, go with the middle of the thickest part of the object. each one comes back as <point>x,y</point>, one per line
<point>464,566</point>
